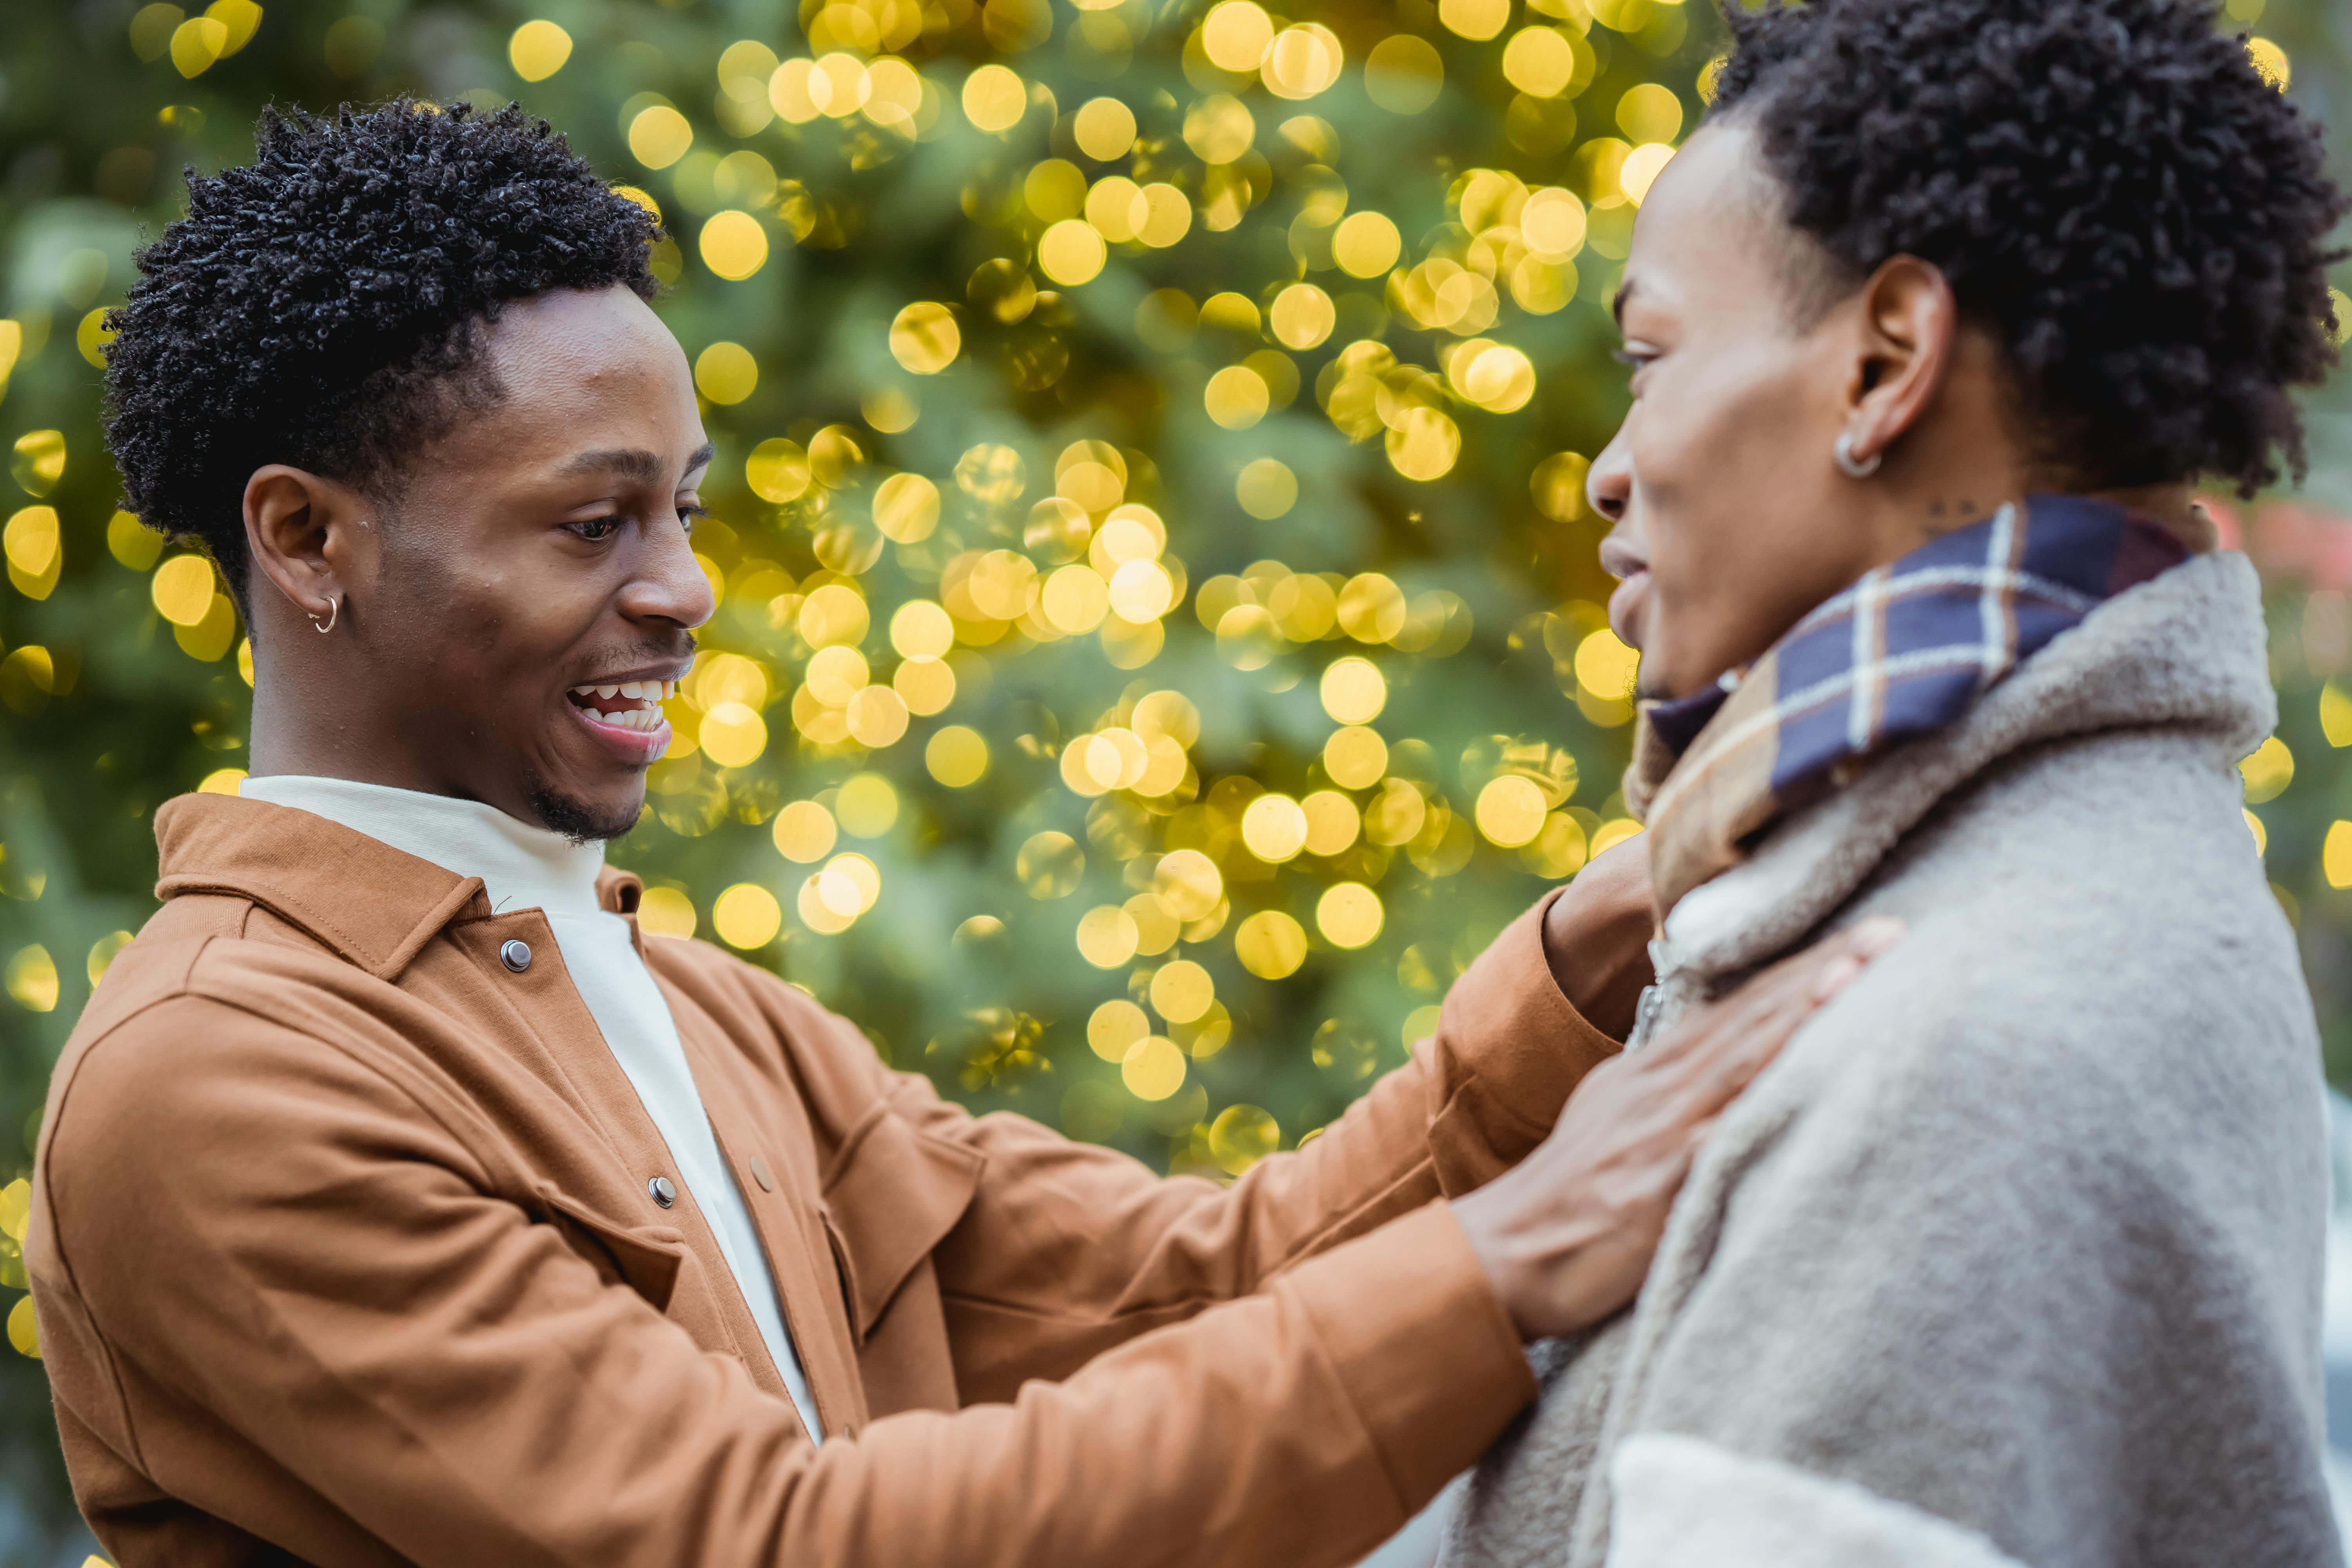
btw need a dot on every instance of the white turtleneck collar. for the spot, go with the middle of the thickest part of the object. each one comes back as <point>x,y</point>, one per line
<point>521,867</point>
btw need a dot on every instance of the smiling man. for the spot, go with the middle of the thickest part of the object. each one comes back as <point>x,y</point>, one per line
<point>396,1202</point>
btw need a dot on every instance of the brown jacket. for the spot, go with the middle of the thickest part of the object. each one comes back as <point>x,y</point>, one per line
<point>342,1251</point>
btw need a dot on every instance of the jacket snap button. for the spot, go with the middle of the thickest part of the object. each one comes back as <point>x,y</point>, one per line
<point>760,1174</point>
<point>515,955</point>
<point>664,1193</point>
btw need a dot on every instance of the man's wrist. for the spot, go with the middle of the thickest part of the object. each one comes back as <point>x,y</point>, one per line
<point>1596,939</point>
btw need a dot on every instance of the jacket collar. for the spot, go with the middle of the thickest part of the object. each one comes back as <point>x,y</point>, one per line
<point>2185,652</point>
<point>374,905</point>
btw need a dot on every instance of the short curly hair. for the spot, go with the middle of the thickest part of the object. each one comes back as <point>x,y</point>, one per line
<point>2110,187</point>
<point>319,306</point>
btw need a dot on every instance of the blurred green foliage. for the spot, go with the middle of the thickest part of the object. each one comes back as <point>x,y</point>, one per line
<point>1286,328</point>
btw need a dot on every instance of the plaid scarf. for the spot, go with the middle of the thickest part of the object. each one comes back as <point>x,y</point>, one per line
<point>1903,652</point>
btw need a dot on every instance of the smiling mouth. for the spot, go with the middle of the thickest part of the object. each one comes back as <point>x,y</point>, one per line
<point>632,705</point>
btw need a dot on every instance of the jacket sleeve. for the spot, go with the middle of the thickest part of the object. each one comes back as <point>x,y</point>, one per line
<point>256,1228</point>
<point>1070,1248</point>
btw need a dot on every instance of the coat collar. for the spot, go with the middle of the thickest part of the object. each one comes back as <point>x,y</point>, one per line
<point>374,905</point>
<point>2184,652</point>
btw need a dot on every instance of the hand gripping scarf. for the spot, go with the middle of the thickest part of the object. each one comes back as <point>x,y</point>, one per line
<point>1903,652</point>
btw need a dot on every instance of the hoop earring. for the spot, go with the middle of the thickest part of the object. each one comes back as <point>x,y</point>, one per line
<point>1849,465</point>
<point>334,610</point>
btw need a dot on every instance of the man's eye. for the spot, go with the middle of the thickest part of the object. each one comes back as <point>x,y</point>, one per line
<point>596,527</point>
<point>689,512</point>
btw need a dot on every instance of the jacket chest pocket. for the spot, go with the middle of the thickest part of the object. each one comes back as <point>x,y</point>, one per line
<point>891,1197</point>
<point>646,1261</point>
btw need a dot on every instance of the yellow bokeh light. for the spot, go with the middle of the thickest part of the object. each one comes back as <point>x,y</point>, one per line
<point>1049,864</point>
<point>1142,591</point>
<point>1152,1070</point>
<point>1610,833</point>
<point>1372,607</point>
<point>1219,129</point>
<point>1538,61</point>
<point>921,629</point>
<point>832,616</point>
<point>2267,771</point>
<point>1333,822</point>
<point>659,136</point>
<point>1113,206</point>
<point>103,954</point>
<point>732,735</point>
<point>1114,1029</point>
<point>1107,936</point>
<point>1355,758</point>
<point>792,92</point>
<point>924,338</point>
<point>30,540</point>
<point>1649,112</point>
<point>1640,168</point>
<point>1302,316</point>
<point>2261,835</point>
<point>906,509</point>
<point>665,911</point>
<point>1071,252</point>
<point>994,98</point>
<point>1235,34</point>
<point>1164,217</point>
<point>2335,855</point>
<point>777,470</point>
<point>859,876</point>
<point>1303,61</point>
<point>1054,189</point>
<point>827,902</point>
<point>1182,991</point>
<point>1270,944</point>
<point>747,916</point>
<point>1103,129</point>
<point>1606,667</point>
<point>877,717</point>
<point>734,246</point>
<point>925,684</point>
<point>1236,397</point>
<point>1510,811</point>
<point>1474,19</point>
<point>222,781</point>
<point>836,674</point>
<point>538,49</point>
<point>182,589</point>
<point>726,373</point>
<point>1266,489</point>
<point>38,460</point>
<point>1367,243</point>
<point>2270,62</point>
<point>1076,599</point>
<point>1189,883</point>
<point>1423,444</point>
<point>1241,1136</point>
<point>31,980</point>
<point>1353,691</point>
<point>957,756</point>
<point>1403,74</point>
<point>1553,223</point>
<point>2335,715</point>
<point>1349,914</point>
<point>196,43</point>
<point>803,831</point>
<point>1273,828</point>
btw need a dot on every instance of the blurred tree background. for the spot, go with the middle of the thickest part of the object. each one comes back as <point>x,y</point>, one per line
<point>1160,640</point>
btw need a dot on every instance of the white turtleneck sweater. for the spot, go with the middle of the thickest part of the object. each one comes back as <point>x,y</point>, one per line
<point>522,866</point>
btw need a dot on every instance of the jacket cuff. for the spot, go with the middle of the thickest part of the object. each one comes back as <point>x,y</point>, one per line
<point>1422,1344</point>
<point>1509,1048</point>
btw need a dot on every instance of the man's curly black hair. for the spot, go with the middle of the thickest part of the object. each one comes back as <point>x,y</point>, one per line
<point>319,306</point>
<point>2110,187</point>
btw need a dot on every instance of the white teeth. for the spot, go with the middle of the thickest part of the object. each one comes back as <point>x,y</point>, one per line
<point>635,690</point>
<point>608,691</point>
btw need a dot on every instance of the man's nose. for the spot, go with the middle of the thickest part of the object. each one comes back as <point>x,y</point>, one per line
<point>670,586</point>
<point>1610,483</point>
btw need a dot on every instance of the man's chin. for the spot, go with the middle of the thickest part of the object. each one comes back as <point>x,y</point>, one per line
<point>580,818</point>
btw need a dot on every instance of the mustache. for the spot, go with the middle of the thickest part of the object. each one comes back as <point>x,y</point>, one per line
<point>677,648</point>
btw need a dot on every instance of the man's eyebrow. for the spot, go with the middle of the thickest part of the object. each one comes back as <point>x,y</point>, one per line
<point>632,463</point>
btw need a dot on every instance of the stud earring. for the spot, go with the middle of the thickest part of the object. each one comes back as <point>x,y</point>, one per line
<point>1849,465</point>
<point>334,609</point>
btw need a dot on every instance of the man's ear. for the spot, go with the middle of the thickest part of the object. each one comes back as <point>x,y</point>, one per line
<point>298,530</point>
<point>1909,321</point>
